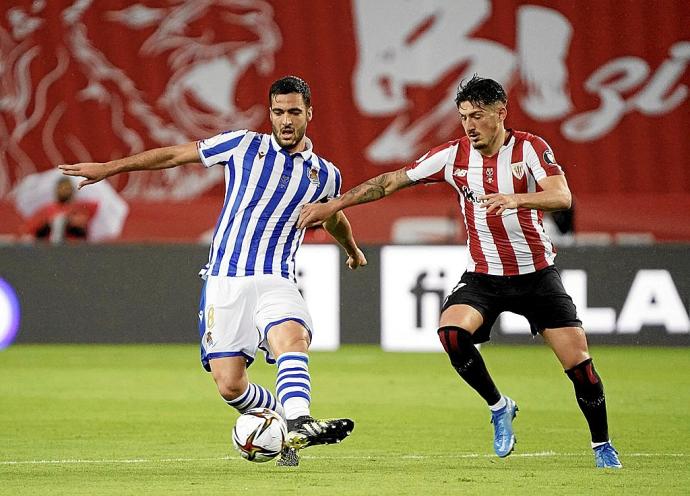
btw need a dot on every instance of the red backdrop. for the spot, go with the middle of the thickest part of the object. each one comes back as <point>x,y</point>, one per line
<point>604,82</point>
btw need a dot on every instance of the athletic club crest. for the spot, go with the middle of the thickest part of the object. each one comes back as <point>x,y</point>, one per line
<point>518,170</point>
<point>313,175</point>
<point>489,176</point>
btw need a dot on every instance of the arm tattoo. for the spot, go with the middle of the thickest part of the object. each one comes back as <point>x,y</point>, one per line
<point>371,190</point>
<point>377,187</point>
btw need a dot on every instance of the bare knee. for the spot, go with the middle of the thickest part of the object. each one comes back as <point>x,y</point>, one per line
<point>463,316</point>
<point>230,376</point>
<point>229,387</point>
<point>569,344</point>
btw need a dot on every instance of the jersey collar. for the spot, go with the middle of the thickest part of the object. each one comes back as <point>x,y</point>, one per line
<point>305,154</point>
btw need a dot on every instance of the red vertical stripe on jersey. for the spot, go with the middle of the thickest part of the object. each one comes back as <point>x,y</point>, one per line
<point>462,160</point>
<point>524,215</point>
<point>495,222</point>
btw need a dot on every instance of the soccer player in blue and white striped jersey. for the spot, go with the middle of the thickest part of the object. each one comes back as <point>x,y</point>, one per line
<point>250,299</point>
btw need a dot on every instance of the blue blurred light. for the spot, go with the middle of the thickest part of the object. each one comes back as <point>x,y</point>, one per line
<point>9,314</point>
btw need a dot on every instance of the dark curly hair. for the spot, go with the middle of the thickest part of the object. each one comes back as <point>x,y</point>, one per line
<point>290,84</point>
<point>480,92</point>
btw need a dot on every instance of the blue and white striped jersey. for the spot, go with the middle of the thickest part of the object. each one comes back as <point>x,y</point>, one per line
<point>265,188</point>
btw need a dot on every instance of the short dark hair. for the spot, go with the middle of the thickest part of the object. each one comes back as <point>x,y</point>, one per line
<point>290,84</point>
<point>480,91</point>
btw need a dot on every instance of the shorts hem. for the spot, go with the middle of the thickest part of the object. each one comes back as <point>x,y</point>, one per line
<point>277,322</point>
<point>224,354</point>
<point>559,325</point>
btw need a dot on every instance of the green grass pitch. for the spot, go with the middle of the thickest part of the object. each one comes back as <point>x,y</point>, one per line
<point>133,420</point>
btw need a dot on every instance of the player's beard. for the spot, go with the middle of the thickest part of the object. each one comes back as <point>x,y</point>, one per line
<point>479,145</point>
<point>290,143</point>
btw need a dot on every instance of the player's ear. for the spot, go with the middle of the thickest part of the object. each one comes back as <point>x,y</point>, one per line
<point>309,114</point>
<point>502,112</point>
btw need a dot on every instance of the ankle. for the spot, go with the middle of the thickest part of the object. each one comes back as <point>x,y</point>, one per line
<point>499,405</point>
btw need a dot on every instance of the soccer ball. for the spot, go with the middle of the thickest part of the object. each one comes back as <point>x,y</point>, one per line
<point>259,434</point>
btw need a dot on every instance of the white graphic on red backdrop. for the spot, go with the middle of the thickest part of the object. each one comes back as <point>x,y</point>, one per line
<point>44,78</point>
<point>431,39</point>
<point>82,80</point>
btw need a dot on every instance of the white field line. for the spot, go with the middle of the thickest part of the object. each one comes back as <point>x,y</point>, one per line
<point>543,454</point>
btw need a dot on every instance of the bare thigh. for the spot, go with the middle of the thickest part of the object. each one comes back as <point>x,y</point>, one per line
<point>569,344</point>
<point>288,336</point>
<point>463,316</point>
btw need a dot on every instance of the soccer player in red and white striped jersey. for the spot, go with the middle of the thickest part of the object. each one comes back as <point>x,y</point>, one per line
<point>505,179</point>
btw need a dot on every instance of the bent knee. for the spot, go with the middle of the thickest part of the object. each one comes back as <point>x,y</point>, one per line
<point>569,344</point>
<point>290,336</point>
<point>230,386</point>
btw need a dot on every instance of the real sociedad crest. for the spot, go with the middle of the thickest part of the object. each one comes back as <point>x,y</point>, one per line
<point>313,175</point>
<point>518,170</point>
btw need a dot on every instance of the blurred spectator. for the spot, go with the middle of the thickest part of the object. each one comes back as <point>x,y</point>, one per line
<point>63,219</point>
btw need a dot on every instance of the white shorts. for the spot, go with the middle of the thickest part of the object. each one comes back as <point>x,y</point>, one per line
<point>236,313</point>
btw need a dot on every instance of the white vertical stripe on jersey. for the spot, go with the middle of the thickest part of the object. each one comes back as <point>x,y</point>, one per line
<point>448,175</point>
<point>509,218</point>
<point>533,162</point>
<point>475,179</point>
<point>550,253</point>
<point>532,187</point>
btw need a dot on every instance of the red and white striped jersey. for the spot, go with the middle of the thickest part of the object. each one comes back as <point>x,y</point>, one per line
<point>515,242</point>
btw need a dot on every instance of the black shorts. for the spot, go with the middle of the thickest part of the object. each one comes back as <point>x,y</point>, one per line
<point>538,296</point>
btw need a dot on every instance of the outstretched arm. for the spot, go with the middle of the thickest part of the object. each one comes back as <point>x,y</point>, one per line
<point>339,227</point>
<point>158,158</point>
<point>374,189</point>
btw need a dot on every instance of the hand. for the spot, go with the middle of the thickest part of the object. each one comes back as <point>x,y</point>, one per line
<point>498,202</point>
<point>314,214</point>
<point>356,259</point>
<point>92,171</point>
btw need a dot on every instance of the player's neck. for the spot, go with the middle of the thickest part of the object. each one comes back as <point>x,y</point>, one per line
<point>297,147</point>
<point>500,139</point>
